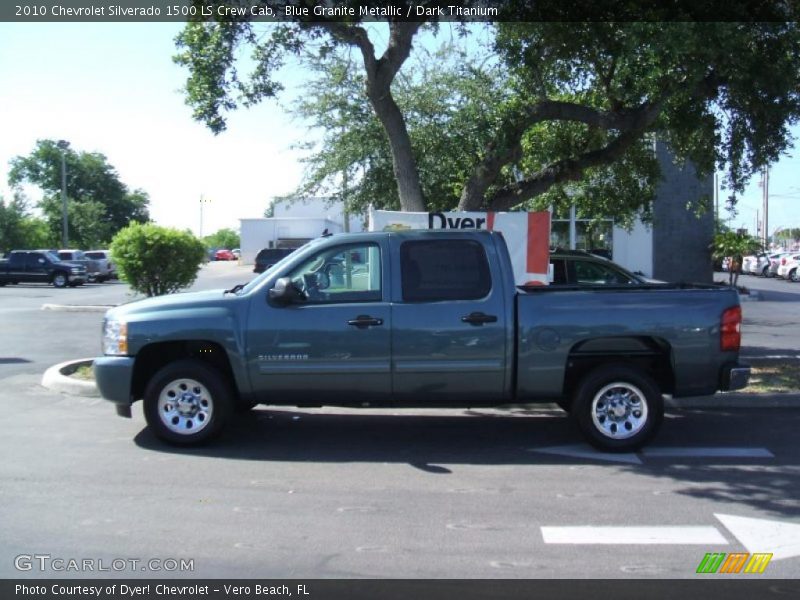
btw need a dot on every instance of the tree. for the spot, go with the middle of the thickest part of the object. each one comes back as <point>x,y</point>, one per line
<point>19,230</point>
<point>156,260</point>
<point>735,246</point>
<point>224,238</point>
<point>584,99</point>
<point>99,204</point>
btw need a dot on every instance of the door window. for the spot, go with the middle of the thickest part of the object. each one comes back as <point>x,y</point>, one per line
<point>349,273</point>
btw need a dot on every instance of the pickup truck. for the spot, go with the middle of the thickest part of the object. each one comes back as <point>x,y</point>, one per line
<point>419,319</point>
<point>40,266</point>
<point>78,257</point>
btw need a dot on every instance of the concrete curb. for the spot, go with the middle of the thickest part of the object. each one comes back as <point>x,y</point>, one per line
<point>737,400</point>
<point>77,307</point>
<point>57,380</point>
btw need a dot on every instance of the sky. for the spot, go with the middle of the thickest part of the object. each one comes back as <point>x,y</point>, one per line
<point>113,88</point>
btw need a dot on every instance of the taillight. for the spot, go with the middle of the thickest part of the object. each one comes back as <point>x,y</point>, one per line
<point>731,329</point>
<point>783,261</point>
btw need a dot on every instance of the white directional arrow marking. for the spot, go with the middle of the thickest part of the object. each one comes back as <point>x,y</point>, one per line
<point>586,451</point>
<point>633,535</point>
<point>762,535</point>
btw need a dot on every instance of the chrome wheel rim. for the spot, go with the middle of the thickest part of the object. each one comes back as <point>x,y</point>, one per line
<point>60,280</point>
<point>185,406</point>
<point>619,410</point>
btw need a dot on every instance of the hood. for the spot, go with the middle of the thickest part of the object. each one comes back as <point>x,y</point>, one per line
<point>179,301</point>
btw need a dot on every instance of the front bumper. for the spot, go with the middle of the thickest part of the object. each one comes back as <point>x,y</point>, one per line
<point>734,377</point>
<point>114,376</point>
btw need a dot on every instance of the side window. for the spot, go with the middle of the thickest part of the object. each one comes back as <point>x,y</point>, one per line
<point>32,259</point>
<point>589,273</point>
<point>444,270</point>
<point>349,273</point>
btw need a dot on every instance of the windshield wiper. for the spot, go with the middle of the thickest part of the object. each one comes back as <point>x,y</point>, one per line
<point>235,288</point>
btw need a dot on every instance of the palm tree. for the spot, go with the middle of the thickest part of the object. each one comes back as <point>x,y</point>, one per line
<point>734,246</point>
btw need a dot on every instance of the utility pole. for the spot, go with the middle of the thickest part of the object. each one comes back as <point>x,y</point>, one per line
<point>63,145</point>
<point>765,209</point>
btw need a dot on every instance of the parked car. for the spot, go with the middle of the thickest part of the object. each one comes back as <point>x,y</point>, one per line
<point>77,256</point>
<point>760,266</point>
<point>774,263</point>
<point>40,266</point>
<point>107,268</point>
<point>747,261</point>
<point>788,267</point>
<point>268,257</point>
<point>237,252</point>
<point>573,267</point>
<point>435,319</point>
<point>224,254</point>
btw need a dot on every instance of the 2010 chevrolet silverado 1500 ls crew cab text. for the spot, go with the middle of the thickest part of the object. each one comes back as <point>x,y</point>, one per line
<point>419,319</point>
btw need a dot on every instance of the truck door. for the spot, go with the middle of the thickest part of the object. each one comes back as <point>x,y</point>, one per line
<point>333,347</point>
<point>449,342</point>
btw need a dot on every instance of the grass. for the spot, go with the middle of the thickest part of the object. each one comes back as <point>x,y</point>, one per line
<point>84,373</point>
<point>774,376</point>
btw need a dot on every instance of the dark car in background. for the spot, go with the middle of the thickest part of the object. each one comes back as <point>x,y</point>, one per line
<point>269,256</point>
<point>574,267</point>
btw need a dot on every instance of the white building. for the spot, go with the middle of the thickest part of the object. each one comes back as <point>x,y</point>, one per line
<point>293,224</point>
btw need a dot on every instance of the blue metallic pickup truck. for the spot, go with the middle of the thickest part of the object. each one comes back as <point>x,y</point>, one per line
<point>419,319</point>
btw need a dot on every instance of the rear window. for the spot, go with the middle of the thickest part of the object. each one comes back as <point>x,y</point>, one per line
<point>444,270</point>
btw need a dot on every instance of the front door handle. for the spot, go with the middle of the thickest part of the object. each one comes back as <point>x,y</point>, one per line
<point>364,321</point>
<point>479,318</point>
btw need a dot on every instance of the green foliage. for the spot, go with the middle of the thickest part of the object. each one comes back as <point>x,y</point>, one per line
<point>19,230</point>
<point>156,260</point>
<point>789,235</point>
<point>550,112</point>
<point>224,238</point>
<point>98,203</point>
<point>736,245</point>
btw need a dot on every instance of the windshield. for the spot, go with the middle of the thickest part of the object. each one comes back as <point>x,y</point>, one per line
<point>257,281</point>
<point>52,257</point>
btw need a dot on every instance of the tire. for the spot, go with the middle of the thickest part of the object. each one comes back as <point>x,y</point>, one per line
<point>206,405</point>
<point>618,408</point>
<point>60,279</point>
<point>765,271</point>
<point>793,276</point>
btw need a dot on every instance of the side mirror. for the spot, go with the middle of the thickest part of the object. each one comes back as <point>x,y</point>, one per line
<point>285,292</point>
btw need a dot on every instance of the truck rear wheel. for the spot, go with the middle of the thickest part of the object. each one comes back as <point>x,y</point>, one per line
<point>187,402</point>
<point>618,408</point>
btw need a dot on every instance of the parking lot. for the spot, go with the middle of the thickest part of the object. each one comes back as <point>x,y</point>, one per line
<point>508,493</point>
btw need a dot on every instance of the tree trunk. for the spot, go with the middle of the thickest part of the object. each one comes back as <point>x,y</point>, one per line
<point>405,166</point>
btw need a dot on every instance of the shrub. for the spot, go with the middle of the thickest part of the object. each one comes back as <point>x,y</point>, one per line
<point>156,260</point>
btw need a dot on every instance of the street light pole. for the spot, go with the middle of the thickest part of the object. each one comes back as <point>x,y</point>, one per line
<point>63,145</point>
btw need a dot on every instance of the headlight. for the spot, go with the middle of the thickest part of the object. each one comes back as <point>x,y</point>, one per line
<point>115,338</point>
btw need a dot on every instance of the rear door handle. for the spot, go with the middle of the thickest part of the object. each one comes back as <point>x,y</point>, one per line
<point>364,321</point>
<point>479,318</point>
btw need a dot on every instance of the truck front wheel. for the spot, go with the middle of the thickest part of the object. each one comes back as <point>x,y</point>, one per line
<point>187,402</point>
<point>60,279</point>
<point>618,408</point>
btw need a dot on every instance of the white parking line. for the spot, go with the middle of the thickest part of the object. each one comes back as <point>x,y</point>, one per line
<point>633,535</point>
